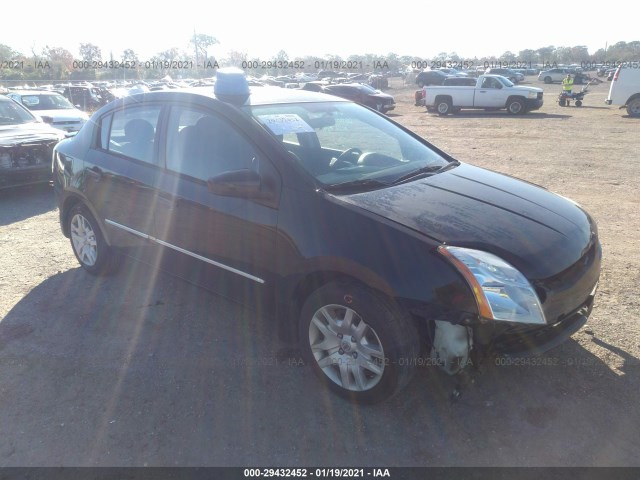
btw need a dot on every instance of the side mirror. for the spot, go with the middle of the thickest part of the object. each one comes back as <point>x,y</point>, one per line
<point>240,183</point>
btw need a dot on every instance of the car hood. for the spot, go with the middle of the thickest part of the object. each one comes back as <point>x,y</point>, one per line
<point>527,89</point>
<point>383,96</point>
<point>11,135</point>
<point>537,231</point>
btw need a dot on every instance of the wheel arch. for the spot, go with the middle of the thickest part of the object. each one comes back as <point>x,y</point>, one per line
<point>632,98</point>
<point>443,97</point>
<point>68,205</point>
<point>316,279</point>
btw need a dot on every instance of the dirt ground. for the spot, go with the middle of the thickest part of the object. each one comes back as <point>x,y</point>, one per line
<point>144,369</point>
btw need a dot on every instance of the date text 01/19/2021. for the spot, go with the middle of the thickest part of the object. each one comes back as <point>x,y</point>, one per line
<point>317,472</point>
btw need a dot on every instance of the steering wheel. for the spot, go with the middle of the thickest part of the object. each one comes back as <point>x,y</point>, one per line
<point>343,160</point>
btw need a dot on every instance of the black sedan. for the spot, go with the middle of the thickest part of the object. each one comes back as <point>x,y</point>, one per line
<point>431,77</point>
<point>364,95</point>
<point>351,234</point>
<point>26,145</point>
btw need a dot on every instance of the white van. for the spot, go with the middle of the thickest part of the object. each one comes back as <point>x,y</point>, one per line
<point>625,88</point>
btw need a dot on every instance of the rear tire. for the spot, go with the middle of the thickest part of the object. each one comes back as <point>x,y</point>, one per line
<point>578,103</point>
<point>443,106</point>
<point>548,80</point>
<point>88,243</point>
<point>358,342</point>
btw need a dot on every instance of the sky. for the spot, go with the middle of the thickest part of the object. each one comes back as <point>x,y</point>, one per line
<point>263,28</point>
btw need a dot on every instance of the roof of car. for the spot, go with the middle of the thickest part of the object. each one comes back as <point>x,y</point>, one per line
<point>258,95</point>
<point>34,92</point>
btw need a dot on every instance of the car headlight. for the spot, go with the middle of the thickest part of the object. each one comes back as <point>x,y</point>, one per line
<point>533,94</point>
<point>501,291</point>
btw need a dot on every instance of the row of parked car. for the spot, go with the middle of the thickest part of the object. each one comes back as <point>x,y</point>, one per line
<point>32,121</point>
<point>441,92</point>
<point>437,77</point>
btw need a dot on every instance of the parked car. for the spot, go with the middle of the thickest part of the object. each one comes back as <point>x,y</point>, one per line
<point>460,81</point>
<point>430,77</point>
<point>453,72</point>
<point>449,81</point>
<point>512,75</point>
<point>488,92</point>
<point>364,95</point>
<point>52,108</point>
<point>625,89</point>
<point>355,236</point>
<point>315,85</point>
<point>83,97</point>
<point>26,145</point>
<point>378,81</point>
<point>555,74</point>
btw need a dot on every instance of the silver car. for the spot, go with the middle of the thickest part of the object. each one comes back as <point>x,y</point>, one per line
<point>52,108</point>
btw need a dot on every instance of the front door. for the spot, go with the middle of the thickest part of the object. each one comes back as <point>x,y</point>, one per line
<point>490,94</point>
<point>225,242</point>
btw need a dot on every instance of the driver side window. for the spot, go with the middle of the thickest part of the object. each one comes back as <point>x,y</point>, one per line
<point>489,83</point>
<point>202,144</point>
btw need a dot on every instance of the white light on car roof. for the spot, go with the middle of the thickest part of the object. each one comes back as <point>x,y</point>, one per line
<point>231,85</point>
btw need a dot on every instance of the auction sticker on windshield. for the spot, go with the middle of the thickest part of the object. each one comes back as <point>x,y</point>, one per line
<point>283,123</point>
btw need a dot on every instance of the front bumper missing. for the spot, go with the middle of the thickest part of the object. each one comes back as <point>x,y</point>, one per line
<point>527,340</point>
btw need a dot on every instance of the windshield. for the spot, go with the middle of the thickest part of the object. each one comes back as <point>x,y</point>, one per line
<point>46,102</point>
<point>505,81</point>
<point>366,88</point>
<point>343,143</point>
<point>12,114</point>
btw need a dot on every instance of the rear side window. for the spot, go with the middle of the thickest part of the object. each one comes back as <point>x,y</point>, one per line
<point>132,132</point>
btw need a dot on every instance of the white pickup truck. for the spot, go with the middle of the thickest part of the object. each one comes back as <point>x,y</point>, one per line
<point>491,92</point>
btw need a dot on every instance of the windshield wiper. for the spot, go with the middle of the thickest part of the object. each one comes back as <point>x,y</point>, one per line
<point>362,184</point>
<point>424,171</point>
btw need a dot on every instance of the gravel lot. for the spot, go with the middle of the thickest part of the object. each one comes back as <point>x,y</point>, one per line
<point>144,369</point>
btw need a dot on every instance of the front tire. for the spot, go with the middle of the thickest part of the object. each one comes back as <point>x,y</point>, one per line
<point>88,243</point>
<point>516,106</point>
<point>359,343</point>
<point>548,80</point>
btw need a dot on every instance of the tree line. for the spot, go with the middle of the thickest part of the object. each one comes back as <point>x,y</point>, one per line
<point>56,64</point>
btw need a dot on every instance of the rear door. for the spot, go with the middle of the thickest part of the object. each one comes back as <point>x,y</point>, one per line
<point>121,171</point>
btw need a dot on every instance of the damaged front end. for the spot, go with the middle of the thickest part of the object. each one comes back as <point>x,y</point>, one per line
<point>27,161</point>
<point>516,317</point>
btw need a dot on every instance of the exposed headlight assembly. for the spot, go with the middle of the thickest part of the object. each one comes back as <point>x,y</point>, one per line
<point>501,291</point>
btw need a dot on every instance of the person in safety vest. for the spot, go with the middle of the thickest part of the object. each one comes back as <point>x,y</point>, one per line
<point>567,86</point>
